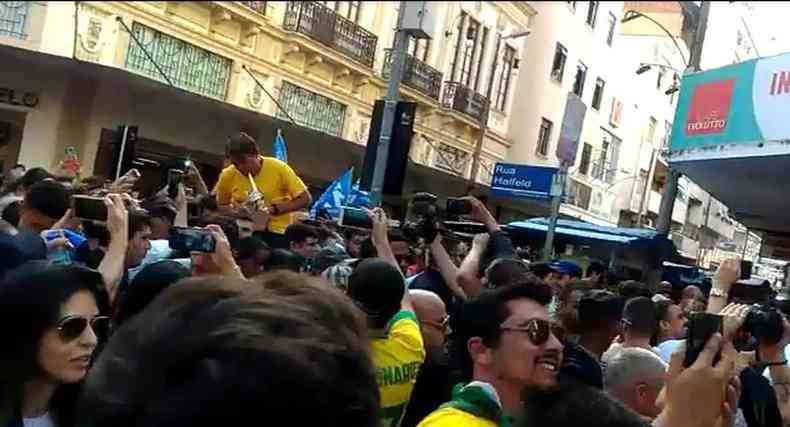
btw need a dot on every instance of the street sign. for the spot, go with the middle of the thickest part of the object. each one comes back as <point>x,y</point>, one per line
<point>521,181</point>
<point>571,131</point>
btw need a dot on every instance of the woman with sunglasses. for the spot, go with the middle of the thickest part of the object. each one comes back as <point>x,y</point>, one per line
<point>52,318</point>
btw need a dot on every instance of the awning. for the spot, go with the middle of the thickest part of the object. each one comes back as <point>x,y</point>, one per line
<point>731,136</point>
<point>562,230</point>
<point>591,233</point>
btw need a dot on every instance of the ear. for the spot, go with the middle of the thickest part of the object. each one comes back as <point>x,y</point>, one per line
<point>641,390</point>
<point>663,324</point>
<point>479,352</point>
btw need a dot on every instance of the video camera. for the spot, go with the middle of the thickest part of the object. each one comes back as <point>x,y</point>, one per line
<point>428,222</point>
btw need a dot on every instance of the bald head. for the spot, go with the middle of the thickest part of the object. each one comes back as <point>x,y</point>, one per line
<point>692,292</point>
<point>431,312</point>
<point>635,376</point>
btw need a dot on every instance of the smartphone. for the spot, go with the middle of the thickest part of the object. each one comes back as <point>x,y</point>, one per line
<point>191,240</point>
<point>458,206</point>
<point>174,178</point>
<point>89,208</point>
<point>701,327</point>
<point>354,217</point>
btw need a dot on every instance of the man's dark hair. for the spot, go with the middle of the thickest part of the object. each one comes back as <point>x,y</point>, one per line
<point>639,315</point>
<point>249,247</point>
<point>598,309</point>
<point>541,269</point>
<point>283,259</point>
<point>207,349</point>
<point>596,267</point>
<point>160,207</point>
<point>138,220</point>
<point>632,289</point>
<point>49,198</point>
<point>146,285</point>
<point>662,310</point>
<point>227,224</point>
<point>298,233</point>
<point>33,176</point>
<point>562,406</point>
<point>368,250</point>
<point>482,317</point>
<point>378,287</point>
<point>241,145</point>
<point>506,271</point>
<point>12,212</point>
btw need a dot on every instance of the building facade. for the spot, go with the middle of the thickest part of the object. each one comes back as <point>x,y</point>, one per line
<point>574,47</point>
<point>189,74</point>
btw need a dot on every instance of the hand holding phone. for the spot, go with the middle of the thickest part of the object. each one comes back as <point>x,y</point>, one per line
<point>701,327</point>
<point>191,240</point>
<point>355,217</point>
<point>89,208</point>
<point>457,206</point>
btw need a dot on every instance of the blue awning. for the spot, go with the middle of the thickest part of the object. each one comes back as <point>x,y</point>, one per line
<point>564,230</point>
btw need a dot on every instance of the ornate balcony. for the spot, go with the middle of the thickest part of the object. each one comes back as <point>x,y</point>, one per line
<point>416,74</point>
<point>258,6</point>
<point>324,25</point>
<point>465,100</point>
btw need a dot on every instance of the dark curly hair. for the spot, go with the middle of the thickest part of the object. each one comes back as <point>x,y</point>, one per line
<point>213,349</point>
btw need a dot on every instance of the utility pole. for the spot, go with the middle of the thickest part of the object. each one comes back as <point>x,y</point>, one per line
<point>671,186</point>
<point>390,108</point>
<point>557,193</point>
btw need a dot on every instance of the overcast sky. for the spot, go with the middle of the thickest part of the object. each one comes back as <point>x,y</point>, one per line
<point>772,34</point>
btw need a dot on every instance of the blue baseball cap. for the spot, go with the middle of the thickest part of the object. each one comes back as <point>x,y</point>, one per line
<point>566,267</point>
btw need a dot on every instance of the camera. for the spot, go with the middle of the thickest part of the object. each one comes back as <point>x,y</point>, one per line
<point>423,206</point>
<point>764,323</point>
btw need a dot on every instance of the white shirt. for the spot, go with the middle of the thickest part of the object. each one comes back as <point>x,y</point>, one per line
<point>40,421</point>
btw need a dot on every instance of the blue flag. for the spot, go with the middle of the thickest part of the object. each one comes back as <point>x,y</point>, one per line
<point>280,152</point>
<point>358,198</point>
<point>334,196</point>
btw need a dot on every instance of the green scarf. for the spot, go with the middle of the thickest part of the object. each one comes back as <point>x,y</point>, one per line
<point>475,400</point>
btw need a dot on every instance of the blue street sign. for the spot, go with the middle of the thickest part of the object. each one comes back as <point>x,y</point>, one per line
<point>521,181</point>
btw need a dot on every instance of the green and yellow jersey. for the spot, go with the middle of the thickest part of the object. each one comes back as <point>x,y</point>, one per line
<point>397,357</point>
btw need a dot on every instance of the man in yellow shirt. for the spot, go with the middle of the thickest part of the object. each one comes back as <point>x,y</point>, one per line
<point>396,345</point>
<point>282,190</point>
<point>504,343</point>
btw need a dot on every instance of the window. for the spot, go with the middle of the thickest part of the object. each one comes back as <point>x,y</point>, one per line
<point>471,37</point>
<point>612,25</point>
<point>312,110</point>
<point>598,94</point>
<point>480,56</point>
<point>579,194</point>
<point>544,137</point>
<point>558,66</point>
<point>651,130</point>
<point>419,48</point>
<point>581,76</point>
<point>459,41</point>
<point>13,18</point>
<point>505,74</point>
<point>584,164</point>
<point>346,9</point>
<point>186,65</point>
<point>592,13</point>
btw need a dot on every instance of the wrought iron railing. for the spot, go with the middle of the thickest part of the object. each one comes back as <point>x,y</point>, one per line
<point>187,66</point>
<point>416,74</point>
<point>13,18</point>
<point>312,110</point>
<point>603,171</point>
<point>258,6</point>
<point>465,100</point>
<point>326,26</point>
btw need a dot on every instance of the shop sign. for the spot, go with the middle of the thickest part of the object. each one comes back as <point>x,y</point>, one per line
<point>18,98</point>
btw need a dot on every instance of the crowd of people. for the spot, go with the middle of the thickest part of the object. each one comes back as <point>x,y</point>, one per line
<point>109,323</point>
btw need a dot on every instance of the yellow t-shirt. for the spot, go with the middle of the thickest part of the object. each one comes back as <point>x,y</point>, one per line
<point>275,180</point>
<point>397,358</point>
<point>452,417</point>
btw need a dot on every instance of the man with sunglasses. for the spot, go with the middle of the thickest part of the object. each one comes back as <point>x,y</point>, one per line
<point>504,342</point>
<point>433,384</point>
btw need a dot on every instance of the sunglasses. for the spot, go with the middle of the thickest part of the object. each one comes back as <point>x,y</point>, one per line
<point>443,325</point>
<point>71,327</point>
<point>538,330</point>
